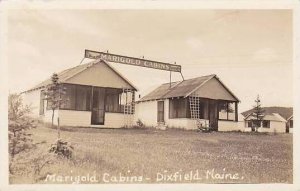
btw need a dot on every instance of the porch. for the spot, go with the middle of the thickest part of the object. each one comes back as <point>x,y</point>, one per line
<point>201,112</point>
<point>95,106</point>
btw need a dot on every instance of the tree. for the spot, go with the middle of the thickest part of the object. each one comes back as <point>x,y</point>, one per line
<point>18,124</point>
<point>257,114</point>
<point>53,94</point>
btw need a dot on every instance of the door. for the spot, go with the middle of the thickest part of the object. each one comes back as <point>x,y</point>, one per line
<point>160,112</point>
<point>213,114</point>
<point>98,106</point>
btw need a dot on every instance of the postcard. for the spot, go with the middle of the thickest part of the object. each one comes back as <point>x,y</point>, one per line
<point>149,95</point>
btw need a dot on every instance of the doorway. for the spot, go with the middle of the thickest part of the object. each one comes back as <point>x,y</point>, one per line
<point>98,106</point>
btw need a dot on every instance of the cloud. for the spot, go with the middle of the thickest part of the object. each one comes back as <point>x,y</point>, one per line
<point>68,20</point>
<point>195,43</point>
<point>265,55</point>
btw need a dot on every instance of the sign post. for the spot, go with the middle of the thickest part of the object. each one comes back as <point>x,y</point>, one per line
<point>132,61</point>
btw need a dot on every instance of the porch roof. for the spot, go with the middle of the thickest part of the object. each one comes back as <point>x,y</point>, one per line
<point>181,88</point>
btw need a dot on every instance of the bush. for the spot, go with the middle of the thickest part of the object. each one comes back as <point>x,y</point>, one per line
<point>140,124</point>
<point>62,148</point>
<point>19,123</point>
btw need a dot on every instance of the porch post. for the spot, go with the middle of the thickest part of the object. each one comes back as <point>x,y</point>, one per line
<point>236,110</point>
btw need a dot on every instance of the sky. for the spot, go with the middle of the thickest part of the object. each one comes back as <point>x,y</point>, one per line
<point>251,51</point>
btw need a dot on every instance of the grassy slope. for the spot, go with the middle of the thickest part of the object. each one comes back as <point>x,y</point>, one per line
<point>259,158</point>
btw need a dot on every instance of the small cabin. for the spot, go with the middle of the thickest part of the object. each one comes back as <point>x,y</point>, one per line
<point>275,119</point>
<point>96,96</point>
<point>270,123</point>
<point>190,104</point>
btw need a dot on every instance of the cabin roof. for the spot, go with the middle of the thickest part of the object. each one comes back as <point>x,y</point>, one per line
<point>269,117</point>
<point>68,73</point>
<point>181,88</point>
<point>285,112</point>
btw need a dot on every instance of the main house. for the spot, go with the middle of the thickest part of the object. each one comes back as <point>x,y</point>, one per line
<point>190,104</point>
<point>275,119</point>
<point>97,95</point>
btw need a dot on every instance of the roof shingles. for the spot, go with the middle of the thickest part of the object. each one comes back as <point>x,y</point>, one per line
<point>178,89</point>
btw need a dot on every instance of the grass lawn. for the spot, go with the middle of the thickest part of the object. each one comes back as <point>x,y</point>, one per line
<point>150,155</point>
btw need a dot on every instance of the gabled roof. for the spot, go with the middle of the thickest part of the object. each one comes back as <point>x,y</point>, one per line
<point>69,73</point>
<point>181,88</point>
<point>269,117</point>
<point>285,112</point>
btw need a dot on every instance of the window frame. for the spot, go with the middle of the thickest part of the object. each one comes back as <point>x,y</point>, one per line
<point>187,109</point>
<point>227,110</point>
<point>161,112</point>
<point>251,124</point>
<point>120,109</point>
<point>88,106</point>
<point>268,124</point>
<point>75,108</point>
<point>120,106</point>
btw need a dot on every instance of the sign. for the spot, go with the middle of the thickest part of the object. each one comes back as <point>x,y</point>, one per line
<point>132,61</point>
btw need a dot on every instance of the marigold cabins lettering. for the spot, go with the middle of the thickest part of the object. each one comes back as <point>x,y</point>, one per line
<point>132,61</point>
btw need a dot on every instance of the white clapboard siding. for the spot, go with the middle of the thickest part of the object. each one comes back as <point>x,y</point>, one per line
<point>114,120</point>
<point>74,118</point>
<point>147,113</point>
<point>229,126</point>
<point>83,119</point>
<point>275,127</point>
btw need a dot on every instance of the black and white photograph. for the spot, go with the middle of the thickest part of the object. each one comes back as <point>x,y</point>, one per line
<point>148,95</point>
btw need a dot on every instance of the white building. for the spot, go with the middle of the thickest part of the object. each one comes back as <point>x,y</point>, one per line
<point>276,119</point>
<point>97,95</point>
<point>190,104</point>
<point>271,123</point>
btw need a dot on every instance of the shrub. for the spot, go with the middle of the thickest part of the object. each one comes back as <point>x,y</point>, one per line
<point>140,124</point>
<point>62,148</point>
<point>19,123</point>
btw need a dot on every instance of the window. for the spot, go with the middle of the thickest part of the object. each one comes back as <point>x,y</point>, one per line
<point>179,108</point>
<point>113,100</point>
<point>223,110</point>
<point>83,98</point>
<point>266,124</point>
<point>249,123</point>
<point>203,109</point>
<point>256,123</point>
<point>160,111</point>
<point>70,97</point>
<point>291,123</point>
<point>226,110</point>
<point>77,97</point>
